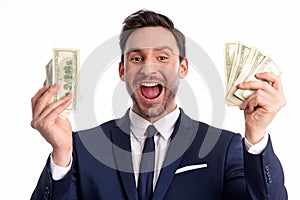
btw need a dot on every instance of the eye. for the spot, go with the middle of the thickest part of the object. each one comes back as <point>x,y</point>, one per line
<point>163,58</point>
<point>136,59</point>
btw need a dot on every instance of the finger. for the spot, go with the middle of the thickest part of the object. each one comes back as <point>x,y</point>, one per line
<point>44,99</point>
<point>37,96</point>
<point>57,104</point>
<point>56,111</point>
<point>275,80</point>
<point>251,104</point>
<point>51,114</point>
<point>257,85</point>
<point>258,101</point>
<point>244,105</point>
<point>259,98</point>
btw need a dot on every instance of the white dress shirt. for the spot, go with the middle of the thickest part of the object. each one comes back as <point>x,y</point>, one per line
<point>165,126</point>
<point>138,125</point>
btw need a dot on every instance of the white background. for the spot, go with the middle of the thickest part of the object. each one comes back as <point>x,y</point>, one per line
<point>30,29</point>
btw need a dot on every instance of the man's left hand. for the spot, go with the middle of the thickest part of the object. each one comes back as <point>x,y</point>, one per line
<point>261,107</point>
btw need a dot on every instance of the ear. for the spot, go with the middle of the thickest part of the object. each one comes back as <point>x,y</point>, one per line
<point>184,68</point>
<point>121,71</point>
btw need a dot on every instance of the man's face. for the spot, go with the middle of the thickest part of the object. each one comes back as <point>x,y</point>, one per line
<point>151,71</point>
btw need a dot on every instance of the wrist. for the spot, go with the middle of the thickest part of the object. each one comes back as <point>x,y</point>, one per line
<point>62,157</point>
<point>254,135</point>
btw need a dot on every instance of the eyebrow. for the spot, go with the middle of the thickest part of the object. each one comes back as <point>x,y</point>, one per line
<point>155,49</point>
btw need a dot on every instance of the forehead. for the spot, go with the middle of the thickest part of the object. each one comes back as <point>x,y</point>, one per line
<point>151,37</point>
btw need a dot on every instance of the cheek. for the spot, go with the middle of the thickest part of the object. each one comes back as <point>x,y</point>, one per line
<point>170,73</point>
<point>130,73</point>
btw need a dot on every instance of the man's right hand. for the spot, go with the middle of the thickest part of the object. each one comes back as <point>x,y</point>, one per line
<point>46,119</point>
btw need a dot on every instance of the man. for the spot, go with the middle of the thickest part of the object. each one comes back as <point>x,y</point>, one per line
<point>153,60</point>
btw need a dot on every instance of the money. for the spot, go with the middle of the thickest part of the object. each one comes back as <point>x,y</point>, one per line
<point>63,68</point>
<point>241,65</point>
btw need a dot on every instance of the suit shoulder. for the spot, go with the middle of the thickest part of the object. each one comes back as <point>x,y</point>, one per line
<point>95,130</point>
<point>206,129</point>
<point>104,125</point>
<point>216,131</point>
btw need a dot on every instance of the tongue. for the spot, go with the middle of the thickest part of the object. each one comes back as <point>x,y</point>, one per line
<point>150,92</point>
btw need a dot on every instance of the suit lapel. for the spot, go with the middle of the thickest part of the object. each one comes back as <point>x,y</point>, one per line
<point>122,151</point>
<point>182,137</point>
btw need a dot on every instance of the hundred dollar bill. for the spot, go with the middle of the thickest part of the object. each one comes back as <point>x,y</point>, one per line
<point>230,52</point>
<point>48,80</point>
<point>63,68</point>
<point>253,59</point>
<point>267,65</point>
<point>241,58</point>
<point>241,65</point>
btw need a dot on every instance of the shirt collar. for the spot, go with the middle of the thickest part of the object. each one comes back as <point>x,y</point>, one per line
<point>165,126</point>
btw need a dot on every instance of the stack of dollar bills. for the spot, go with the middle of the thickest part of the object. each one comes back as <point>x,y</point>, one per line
<point>241,65</point>
<point>63,68</point>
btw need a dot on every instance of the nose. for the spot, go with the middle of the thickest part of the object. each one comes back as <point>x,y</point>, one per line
<point>149,66</point>
<point>148,69</point>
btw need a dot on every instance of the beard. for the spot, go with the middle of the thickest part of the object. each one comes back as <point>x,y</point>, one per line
<point>153,111</point>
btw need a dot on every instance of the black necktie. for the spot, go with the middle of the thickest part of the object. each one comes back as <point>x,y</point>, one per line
<point>145,182</point>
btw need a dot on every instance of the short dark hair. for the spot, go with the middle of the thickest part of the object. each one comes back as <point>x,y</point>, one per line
<point>146,18</point>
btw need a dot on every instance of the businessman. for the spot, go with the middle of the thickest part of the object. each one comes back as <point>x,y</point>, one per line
<point>153,150</point>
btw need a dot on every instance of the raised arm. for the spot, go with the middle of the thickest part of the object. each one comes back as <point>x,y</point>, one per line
<point>263,172</point>
<point>58,133</point>
<point>45,119</point>
<point>261,107</point>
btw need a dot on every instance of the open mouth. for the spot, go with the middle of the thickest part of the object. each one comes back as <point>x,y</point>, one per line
<point>151,90</point>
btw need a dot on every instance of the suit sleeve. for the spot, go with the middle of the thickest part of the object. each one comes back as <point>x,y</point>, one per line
<point>234,187</point>
<point>264,175</point>
<point>47,188</point>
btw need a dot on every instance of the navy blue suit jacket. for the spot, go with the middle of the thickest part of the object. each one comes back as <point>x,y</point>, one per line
<point>102,166</point>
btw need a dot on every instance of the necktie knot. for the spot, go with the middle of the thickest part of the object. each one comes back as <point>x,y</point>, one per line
<point>151,130</point>
<point>149,145</point>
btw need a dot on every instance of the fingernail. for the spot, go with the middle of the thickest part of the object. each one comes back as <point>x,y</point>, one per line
<point>243,106</point>
<point>257,75</point>
<point>68,96</point>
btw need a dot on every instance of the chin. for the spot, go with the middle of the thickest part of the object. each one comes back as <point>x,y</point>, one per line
<point>154,108</point>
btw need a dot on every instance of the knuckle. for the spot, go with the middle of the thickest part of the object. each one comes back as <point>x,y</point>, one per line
<point>48,107</point>
<point>52,90</point>
<point>44,125</point>
<point>274,110</point>
<point>33,124</point>
<point>258,93</point>
<point>58,109</point>
<point>257,100</point>
<point>41,101</point>
<point>283,103</point>
<point>266,85</point>
<point>258,96</point>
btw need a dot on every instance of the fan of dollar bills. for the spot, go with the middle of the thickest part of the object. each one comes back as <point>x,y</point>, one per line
<point>241,65</point>
<point>63,68</point>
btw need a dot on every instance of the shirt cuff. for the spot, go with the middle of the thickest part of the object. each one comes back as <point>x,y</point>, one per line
<point>258,147</point>
<point>59,172</point>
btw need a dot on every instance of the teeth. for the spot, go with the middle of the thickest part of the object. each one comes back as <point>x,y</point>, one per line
<point>149,84</point>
